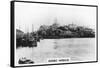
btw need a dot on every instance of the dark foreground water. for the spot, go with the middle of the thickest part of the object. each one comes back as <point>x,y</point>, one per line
<point>74,49</point>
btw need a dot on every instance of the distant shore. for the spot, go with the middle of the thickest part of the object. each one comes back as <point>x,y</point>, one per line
<point>54,31</point>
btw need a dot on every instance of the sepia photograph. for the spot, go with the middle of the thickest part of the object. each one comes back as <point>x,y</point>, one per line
<point>49,33</point>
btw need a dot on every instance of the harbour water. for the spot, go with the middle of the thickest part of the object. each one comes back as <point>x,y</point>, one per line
<point>76,49</point>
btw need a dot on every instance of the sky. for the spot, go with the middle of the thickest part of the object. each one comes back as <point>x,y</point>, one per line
<point>28,14</point>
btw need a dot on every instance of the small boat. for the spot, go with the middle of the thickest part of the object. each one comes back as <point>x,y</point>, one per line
<point>25,61</point>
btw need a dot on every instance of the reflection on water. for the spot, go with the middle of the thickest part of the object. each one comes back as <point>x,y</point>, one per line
<point>77,49</point>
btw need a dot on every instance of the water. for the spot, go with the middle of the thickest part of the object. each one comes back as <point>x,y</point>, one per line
<point>77,49</point>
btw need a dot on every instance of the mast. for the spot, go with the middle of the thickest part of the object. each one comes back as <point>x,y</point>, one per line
<point>32,28</point>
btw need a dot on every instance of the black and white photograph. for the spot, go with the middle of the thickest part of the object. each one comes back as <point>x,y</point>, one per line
<point>49,33</point>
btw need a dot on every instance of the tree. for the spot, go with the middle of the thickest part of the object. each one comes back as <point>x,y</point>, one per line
<point>42,30</point>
